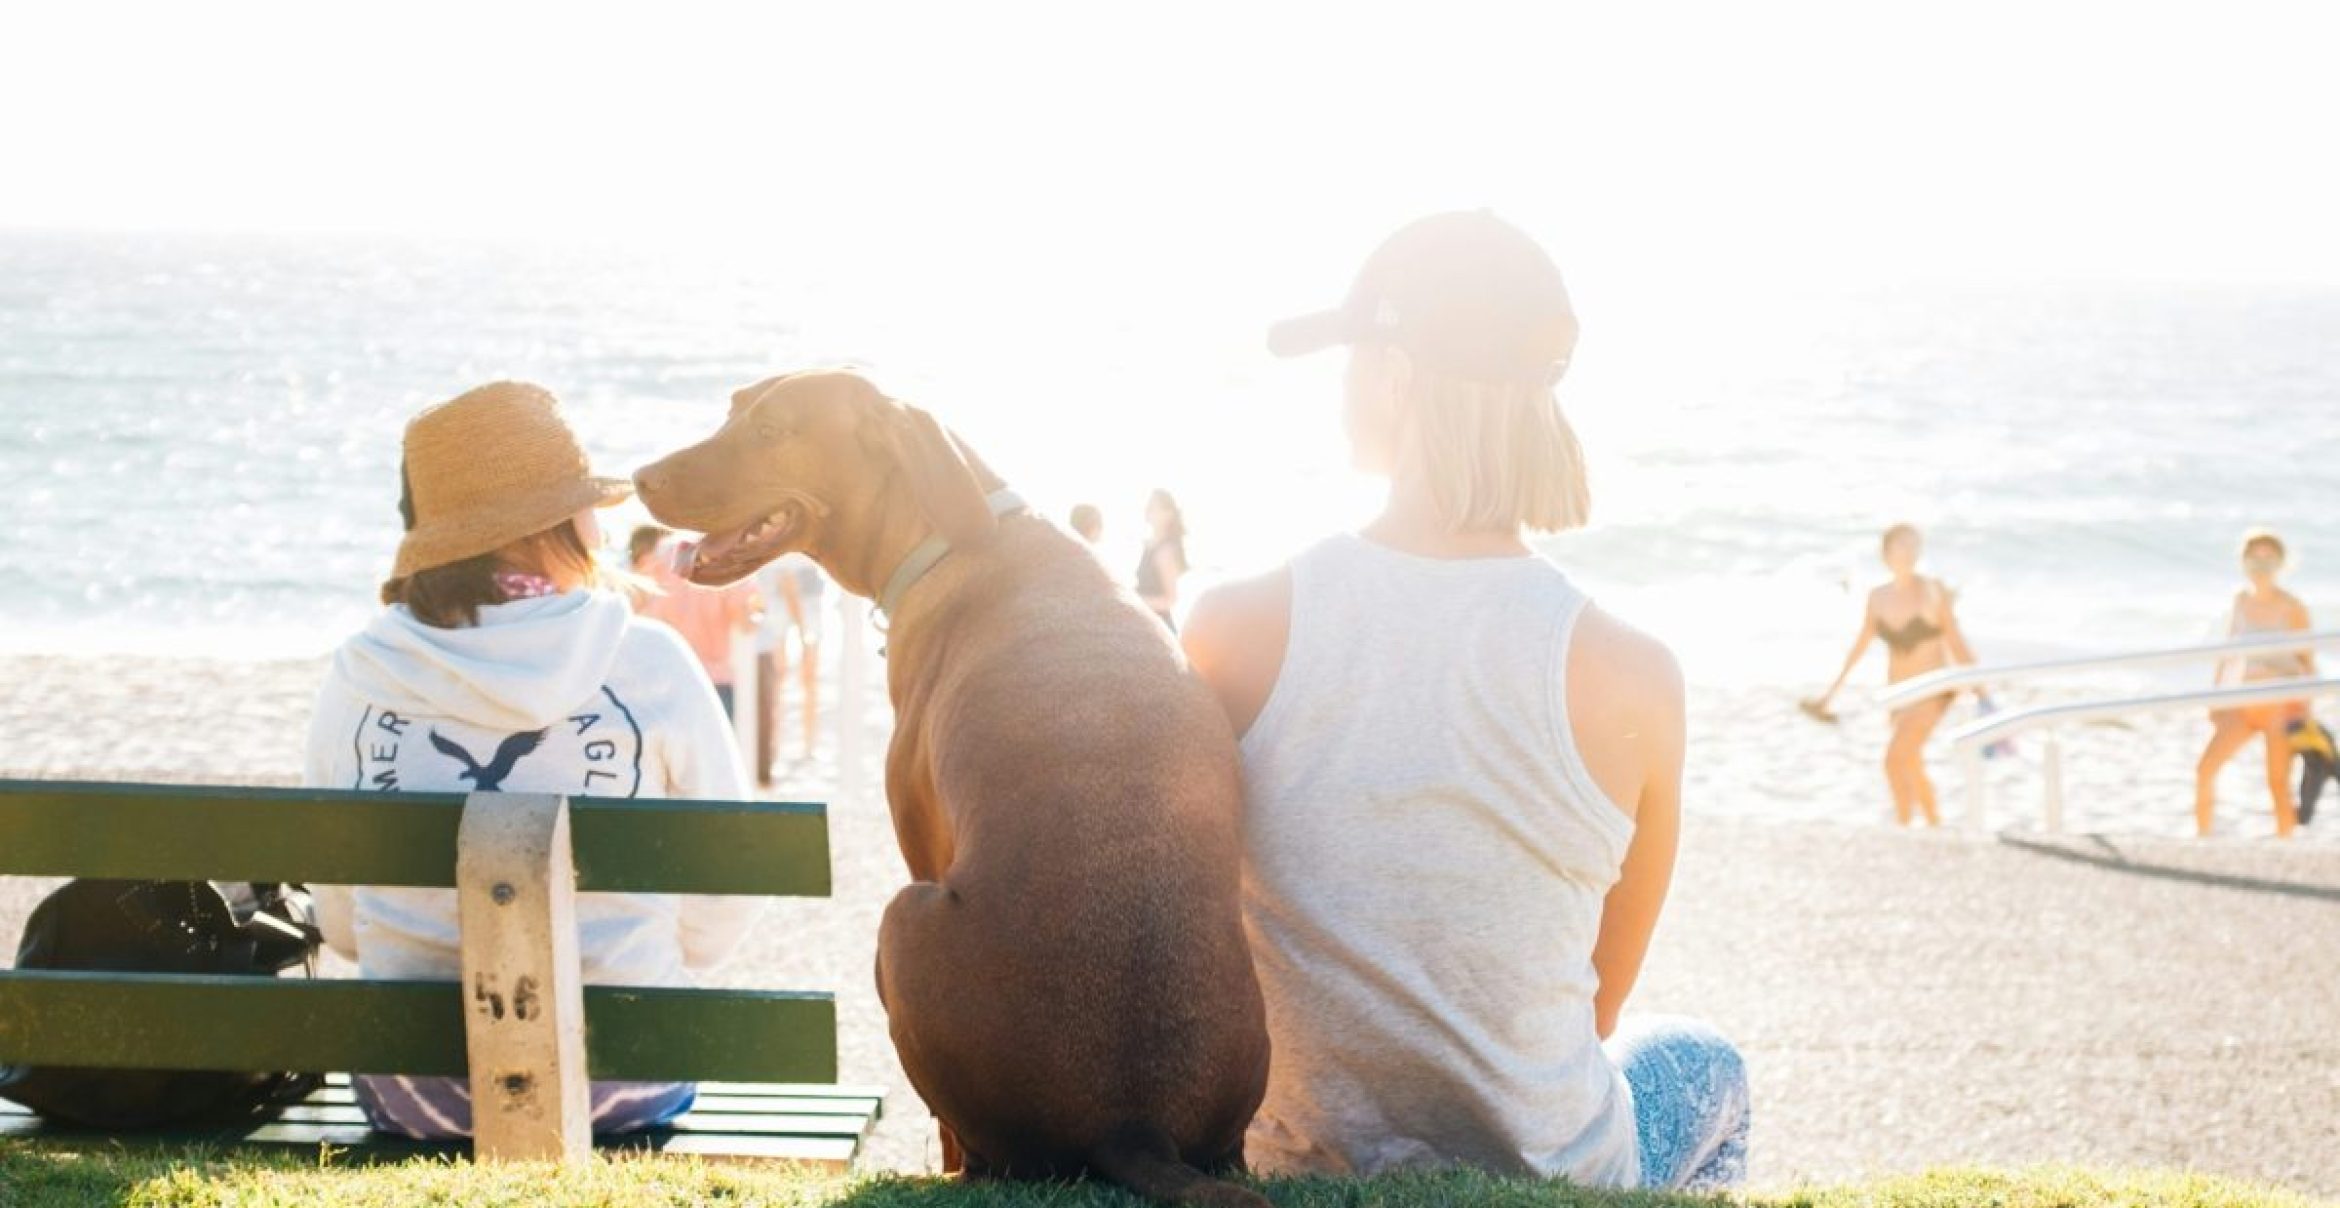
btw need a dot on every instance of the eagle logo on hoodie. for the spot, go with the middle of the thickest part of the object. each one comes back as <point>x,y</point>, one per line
<point>593,750</point>
<point>508,754</point>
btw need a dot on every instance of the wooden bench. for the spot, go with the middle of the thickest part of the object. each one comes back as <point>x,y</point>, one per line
<point>765,1059</point>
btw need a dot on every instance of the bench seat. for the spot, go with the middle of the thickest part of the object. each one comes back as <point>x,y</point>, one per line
<point>717,1037</point>
<point>812,1123</point>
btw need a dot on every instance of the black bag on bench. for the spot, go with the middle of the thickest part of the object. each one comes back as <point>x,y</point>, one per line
<point>162,927</point>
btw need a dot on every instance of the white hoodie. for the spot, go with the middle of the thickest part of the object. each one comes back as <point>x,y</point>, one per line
<point>566,694</point>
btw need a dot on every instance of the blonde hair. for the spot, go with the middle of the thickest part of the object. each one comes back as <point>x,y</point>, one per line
<point>2263,536</point>
<point>1495,455</point>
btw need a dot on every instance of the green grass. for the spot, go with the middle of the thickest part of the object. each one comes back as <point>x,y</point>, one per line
<point>169,1179</point>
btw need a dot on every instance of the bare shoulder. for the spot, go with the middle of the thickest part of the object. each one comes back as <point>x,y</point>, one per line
<point>1626,707</point>
<point>1236,605</point>
<point>1235,637</point>
<point>1626,664</point>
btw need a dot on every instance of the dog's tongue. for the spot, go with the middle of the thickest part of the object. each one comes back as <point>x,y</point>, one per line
<point>706,552</point>
<point>729,556</point>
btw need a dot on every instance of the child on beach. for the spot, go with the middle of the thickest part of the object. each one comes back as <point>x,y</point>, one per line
<point>706,617</point>
<point>501,663</point>
<point>1458,836</point>
<point>2259,607</point>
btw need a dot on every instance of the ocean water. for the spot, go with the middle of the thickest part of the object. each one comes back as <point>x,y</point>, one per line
<point>198,434</point>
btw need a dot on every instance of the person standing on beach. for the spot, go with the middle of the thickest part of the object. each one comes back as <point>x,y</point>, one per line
<point>640,545</point>
<point>794,595</point>
<point>706,617</point>
<point>1912,614</point>
<point>504,663</point>
<point>1458,835</point>
<point>1088,522</point>
<point>1164,561</point>
<point>2260,607</point>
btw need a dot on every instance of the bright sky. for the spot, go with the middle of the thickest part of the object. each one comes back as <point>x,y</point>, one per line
<point>1770,140</point>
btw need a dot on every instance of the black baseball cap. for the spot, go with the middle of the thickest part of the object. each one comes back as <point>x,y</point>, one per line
<point>1464,294</point>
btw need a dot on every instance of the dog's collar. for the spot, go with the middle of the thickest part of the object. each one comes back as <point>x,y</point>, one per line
<point>923,557</point>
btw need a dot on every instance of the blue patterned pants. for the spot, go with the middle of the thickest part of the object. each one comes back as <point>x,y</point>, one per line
<point>1690,1101</point>
<point>438,1109</point>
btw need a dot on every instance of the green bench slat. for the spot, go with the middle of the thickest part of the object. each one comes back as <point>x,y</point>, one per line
<point>820,1090</point>
<point>363,1143</point>
<point>327,1117</point>
<point>768,1105</point>
<point>336,1103</point>
<point>729,1099</point>
<point>728,1105</point>
<point>820,1150</point>
<point>157,1021</point>
<point>340,837</point>
<point>693,1121</point>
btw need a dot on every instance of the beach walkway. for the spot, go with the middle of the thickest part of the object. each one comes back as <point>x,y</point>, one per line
<point>1904,1000</point>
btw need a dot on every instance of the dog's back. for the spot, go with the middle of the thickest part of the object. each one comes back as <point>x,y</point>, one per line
<point>1075,992</point>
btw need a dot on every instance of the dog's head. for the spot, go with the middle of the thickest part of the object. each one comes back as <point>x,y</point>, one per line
<point>806,461</point>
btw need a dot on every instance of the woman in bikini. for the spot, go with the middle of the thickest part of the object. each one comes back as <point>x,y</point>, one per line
<point>2260,607</point>
<point>1912,614</point>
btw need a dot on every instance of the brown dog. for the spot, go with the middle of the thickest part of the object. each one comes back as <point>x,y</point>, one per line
<point>1067,981</point>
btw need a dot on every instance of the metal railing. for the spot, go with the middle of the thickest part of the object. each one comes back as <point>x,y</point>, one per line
<point>1970,740</point>
<point>1934,683</point>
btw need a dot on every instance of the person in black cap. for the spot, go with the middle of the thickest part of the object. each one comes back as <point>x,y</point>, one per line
<point>1463,780</point>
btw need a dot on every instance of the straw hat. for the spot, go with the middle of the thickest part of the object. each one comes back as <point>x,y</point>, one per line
<point>489,467</point>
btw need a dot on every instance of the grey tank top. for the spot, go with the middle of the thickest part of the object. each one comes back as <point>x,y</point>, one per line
<point>1426,860</point>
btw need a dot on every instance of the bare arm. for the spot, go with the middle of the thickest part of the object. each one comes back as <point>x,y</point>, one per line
<point>1629,916</point>
<point>1234,638</point>
<point>2300,621</point>
<point>2224,669</point>
<point>1852,658</point>
<point>1954,638</point>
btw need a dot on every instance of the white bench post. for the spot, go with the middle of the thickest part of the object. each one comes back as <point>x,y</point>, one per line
<point>523,990</point>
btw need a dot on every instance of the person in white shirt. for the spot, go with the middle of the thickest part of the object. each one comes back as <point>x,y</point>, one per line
<point>504,662</point>
<point>1462,779</point>
<point>795,594</point>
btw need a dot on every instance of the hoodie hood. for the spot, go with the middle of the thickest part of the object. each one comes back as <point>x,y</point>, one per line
<point>524,665</point>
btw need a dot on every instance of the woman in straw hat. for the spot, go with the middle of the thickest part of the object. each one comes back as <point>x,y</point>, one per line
<point>1462,779</point>
<point>501,663</point>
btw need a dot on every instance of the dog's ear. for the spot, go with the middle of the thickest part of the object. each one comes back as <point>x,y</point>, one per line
<point>936,469</point>
<point>746,396</point>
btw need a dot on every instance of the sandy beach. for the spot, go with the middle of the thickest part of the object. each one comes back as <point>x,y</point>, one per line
<point>1904,999</point>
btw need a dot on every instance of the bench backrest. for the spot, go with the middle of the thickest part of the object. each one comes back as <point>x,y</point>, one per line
<point>167,832</point>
